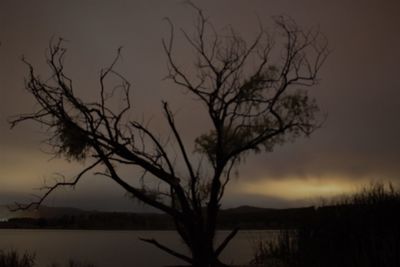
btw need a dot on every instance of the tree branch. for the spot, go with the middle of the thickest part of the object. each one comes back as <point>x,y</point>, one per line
<point>168,250</point>
<point>226,241</point>
<point>50,189</point>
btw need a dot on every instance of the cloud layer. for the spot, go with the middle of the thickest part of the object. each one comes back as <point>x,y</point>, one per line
<point>359,87</point>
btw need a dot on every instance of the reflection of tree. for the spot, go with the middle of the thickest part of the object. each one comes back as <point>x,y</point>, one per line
<point>253,92</point>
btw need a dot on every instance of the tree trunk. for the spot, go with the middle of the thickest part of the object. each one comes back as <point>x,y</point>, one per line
<point>206,258</point>
<point>203,253</point>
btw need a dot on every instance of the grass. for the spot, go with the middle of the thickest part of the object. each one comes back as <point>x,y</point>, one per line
<point>72,263</point>
<point>359,230</point>
<point>13,258</point>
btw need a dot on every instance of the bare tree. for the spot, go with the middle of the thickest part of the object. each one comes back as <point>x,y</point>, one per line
<point>255,94</point>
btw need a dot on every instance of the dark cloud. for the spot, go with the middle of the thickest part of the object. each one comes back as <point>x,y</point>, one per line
<point>359,88</point>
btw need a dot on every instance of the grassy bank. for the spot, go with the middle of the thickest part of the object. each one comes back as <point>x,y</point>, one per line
<point>361,230</point>
<point>12,258</point>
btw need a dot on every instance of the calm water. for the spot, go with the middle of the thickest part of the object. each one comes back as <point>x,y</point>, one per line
<point>116,248</point>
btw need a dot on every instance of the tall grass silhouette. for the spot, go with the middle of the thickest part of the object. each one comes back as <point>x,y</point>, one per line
<point>359,230</point>
<point>13,258</point>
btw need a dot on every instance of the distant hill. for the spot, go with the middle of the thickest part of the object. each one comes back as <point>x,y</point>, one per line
<point>246,209</point>
<point>54,212</point>
<point>6,214</point>
<point>246,217</point>
<point>41,212</point>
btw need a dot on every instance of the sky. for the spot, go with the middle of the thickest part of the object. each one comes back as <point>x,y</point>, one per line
<point>359,90</point>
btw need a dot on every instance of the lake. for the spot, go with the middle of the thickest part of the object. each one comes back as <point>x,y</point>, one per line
<point>117,248</point>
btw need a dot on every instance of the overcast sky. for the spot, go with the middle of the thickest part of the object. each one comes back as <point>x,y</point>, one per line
<point>359,89</point>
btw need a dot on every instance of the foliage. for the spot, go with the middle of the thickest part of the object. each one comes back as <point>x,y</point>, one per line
<point>73,143</point>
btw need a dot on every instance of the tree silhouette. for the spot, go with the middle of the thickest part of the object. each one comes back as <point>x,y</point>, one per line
<point>255,94</point>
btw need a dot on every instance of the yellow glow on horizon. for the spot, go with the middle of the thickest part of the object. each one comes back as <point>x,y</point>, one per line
<point>303,188</point>
<point>22,171</point>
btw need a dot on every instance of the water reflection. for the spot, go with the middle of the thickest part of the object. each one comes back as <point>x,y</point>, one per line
<point>116,248</point>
